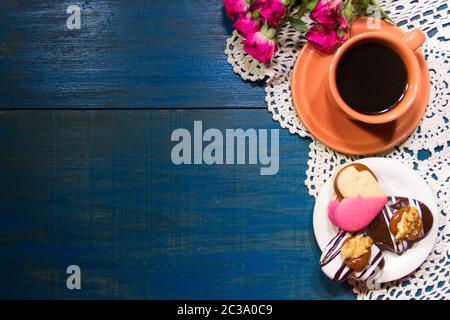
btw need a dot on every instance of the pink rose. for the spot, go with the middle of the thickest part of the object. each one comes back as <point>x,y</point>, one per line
<point>322,38</point>
<point>235,8</point>
<point>245,25</point>
<point>261,45</point>
<point>326,12</point>
<point>273,12</point>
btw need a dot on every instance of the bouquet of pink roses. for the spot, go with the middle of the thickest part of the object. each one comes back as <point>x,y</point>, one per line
<point>257,21</point>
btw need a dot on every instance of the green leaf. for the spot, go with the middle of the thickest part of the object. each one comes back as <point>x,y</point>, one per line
<point>304,7</point>
<point>311,4</point>
<point>288,3</point>
<point>255,14</point>
<point>271,33</point>
<point>298,24</point>
<point>384,15</point>
<point>361,6</point>
<point>347,10</point>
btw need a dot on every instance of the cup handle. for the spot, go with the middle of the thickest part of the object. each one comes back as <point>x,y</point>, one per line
<point>415,39</point>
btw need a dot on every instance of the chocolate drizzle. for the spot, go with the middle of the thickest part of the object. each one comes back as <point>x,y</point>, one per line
<point>335,268</point>
<point>379,229</point>
<point>333,248</point>
<point>375,265</point>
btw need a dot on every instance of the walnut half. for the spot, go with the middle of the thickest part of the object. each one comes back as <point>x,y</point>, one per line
<point>356,252</point>
<point>356,246</point>
<point>406,223</point>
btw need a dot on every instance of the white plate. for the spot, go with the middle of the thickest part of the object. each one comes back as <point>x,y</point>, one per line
<point>397,180</point>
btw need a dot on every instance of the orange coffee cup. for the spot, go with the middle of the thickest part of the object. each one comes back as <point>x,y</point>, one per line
<point>404,47</point>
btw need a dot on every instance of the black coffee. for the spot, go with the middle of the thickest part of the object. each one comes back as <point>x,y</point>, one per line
<point>371,78</point>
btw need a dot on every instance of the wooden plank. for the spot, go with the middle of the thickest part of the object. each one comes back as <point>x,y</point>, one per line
<point>127,54</point>
<point>98,189</point>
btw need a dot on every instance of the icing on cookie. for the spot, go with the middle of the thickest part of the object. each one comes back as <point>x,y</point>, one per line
<point>352,181</point>
<point>354,214</point>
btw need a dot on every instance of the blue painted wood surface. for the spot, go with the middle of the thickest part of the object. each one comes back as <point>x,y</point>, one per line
<point>94,187</point>
<point>127,54</point>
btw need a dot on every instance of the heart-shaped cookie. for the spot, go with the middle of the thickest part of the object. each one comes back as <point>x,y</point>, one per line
<point>384,229</point>
<point>355,180</point>
<point>354,214</point>
<point>339,269</point>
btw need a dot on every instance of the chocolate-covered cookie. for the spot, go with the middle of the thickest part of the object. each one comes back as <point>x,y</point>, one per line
<point>401,223</point>
<point>351,256</point>
<point>355,180</point>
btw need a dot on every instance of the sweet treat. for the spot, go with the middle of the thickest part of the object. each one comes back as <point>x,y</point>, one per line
<point>359,198</point>
<point>355,180</point>
<point>369,222</point>
<point>401,223</point>
<point>354,214</point>
<point>351,256</point>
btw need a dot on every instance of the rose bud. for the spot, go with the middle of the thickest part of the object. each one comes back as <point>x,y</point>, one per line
<point>246,25</point>
<point>274,11</point>
<point>322,39</point>
<point>326,12</point>
<point>235,8</point>
<point>261,45</point>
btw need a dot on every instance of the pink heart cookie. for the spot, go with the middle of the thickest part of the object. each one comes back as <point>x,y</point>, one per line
<point>332,206</point>
<point>353,214</point>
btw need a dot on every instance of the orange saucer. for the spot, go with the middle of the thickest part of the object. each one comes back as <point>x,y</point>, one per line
<point>328,124</point>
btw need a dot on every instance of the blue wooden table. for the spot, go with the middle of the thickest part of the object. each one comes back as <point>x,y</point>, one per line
<point>86,176</point>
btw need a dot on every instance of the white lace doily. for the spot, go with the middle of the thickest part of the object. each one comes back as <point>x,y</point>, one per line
<point>430,142</point>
